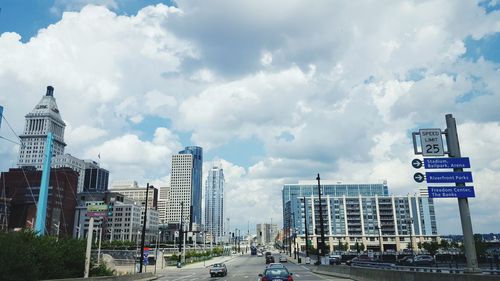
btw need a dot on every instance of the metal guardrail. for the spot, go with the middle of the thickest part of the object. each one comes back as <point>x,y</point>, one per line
<point>392,266</point>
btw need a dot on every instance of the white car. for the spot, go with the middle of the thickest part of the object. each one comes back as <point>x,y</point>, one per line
<point>283,258</point>
<point>259,254</point>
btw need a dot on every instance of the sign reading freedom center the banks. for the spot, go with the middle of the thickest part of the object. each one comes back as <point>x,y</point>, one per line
<point>451,191</point>
<point>446,163</point>
<point>448,177</point>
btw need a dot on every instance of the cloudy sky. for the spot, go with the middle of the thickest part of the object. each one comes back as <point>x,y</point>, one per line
<point>275,91</point>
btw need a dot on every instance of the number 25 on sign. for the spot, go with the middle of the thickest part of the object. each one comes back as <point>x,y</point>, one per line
<point>431,142</point>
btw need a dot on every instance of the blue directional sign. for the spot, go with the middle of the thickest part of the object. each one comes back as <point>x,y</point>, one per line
<point>446,163</point>
<point>448,177</point>
<point>451,191</point>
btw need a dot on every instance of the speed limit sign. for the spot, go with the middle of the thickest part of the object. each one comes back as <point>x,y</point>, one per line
<point>431,142</point>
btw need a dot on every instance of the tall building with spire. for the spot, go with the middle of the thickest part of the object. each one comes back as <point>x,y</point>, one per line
<point>44,118</point>
<point>214,203</point>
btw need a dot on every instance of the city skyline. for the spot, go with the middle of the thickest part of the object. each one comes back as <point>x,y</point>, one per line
<point>275,98</point>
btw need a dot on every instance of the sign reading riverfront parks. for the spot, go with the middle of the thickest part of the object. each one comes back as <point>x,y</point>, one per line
<point>451,191</point>
<point>448,177</point>
<point>446,163</point>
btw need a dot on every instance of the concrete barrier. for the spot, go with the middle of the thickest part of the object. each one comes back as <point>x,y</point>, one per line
<point>373,274</point>
<point>138,276</point>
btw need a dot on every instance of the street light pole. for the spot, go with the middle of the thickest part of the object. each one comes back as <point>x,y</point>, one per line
<point>305,226</point>
<point>290,230</point>
<point>156,252</point>
<point>321,247</point>
<point>143,235</point>
<point>409,222</point>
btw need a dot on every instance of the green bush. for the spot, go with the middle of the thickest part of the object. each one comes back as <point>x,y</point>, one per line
<point>25,256</point>
<point>101,270</point>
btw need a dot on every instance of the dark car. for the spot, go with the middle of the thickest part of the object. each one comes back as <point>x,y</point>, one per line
<point>419,260</point>
<point>269,259</point>
<point>275,274</point>
<point>406,260</point>
<point>273,264</point>
<point>218,269</point>
<point>334,259</point>
<point>360,259</point>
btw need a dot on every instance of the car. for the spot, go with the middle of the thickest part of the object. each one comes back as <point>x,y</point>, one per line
<point>360,258</point>
<point>404,260</point>
<point>335,259</point>
<point>218,269</point>
<point>259,254</point>
<point>269,254</point>
<point>276,274</point>
<point>269,259</point>
<point>275,264</point>
<point>419,260</point>
<point>283,258</point>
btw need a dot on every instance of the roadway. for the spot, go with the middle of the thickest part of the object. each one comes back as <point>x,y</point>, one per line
<point>240,268</point>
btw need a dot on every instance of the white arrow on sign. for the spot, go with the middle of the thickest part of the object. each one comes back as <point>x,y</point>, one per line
<point>418,177</point>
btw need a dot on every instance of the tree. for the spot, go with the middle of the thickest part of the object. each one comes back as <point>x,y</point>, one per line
<point>481,245</point>
<point>431,247</point>
<point>444,244</point>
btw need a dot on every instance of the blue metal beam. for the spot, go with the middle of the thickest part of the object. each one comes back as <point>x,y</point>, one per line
<point>1,112</point>
<point>41,210</point>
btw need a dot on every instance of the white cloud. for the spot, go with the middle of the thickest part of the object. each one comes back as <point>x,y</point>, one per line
<point>337,92</point>
<point>129,157</point>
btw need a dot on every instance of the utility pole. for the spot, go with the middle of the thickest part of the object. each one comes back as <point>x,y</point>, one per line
<point>294,237</point>
<point>181,234</point>
<point>143,235</point>
<point>409,223</point>
<point>290,235</point>
<point>463,203</point>
<point>305,224</point>
<point>321,247</point>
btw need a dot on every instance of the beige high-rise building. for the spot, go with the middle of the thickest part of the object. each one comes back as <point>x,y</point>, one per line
<point>180,188</point>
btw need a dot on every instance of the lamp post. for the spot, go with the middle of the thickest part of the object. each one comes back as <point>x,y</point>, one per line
<point>156,252</point>
<point>305,227</point>
<point>321,223</point>
<point>409,223</point>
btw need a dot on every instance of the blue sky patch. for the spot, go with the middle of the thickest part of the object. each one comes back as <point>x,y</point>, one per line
<point>26,17</point>
<point>488,47</point>
<point>241,152</point>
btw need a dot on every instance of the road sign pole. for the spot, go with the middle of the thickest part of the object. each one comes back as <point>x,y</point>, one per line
<point>463,203</point>
<point>89,247</point>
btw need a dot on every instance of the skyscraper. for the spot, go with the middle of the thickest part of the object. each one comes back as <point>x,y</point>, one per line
<point>185,186</point>
<point>44,118</point>
<point>214,202</point>
<point>196,180</point>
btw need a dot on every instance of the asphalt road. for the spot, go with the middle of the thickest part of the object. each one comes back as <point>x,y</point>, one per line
<point>241,268</point>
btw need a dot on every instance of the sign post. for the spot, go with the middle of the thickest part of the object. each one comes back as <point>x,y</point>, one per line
<point>431,144</point>
<point>463,203</point>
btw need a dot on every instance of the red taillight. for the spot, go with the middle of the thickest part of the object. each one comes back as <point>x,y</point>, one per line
<point>290,278</point>
<point>264,278</point>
